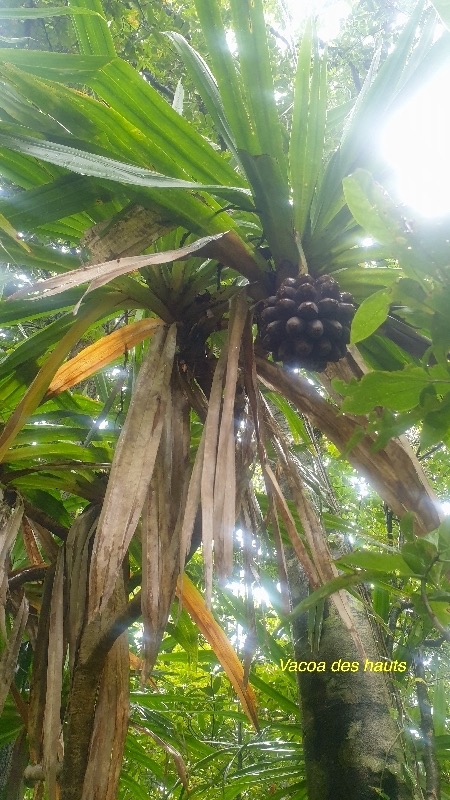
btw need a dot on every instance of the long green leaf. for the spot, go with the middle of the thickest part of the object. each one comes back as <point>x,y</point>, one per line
<point>308,127</point>
<point>85,118</point>
<point>57,450</point>
<point>66,67</point>
<point>64,197</point>
<point>131,96</point>
<point>226,75</point>
<point>93,34</point>
<point>45,11</point>
<point>206,85</point>
<point>141,110</point>
<point>256,78</point>
<point>273,205</point>
<point>378,93</point>
<point>109,169</point>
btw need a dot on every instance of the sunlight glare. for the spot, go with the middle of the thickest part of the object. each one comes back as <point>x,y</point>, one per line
<point>330,15</point>
<point>415,142</point>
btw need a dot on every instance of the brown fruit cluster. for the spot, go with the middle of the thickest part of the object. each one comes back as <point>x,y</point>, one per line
<point>307,323</point>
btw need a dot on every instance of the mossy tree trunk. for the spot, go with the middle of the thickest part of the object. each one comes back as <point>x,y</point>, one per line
<point>353,745</point>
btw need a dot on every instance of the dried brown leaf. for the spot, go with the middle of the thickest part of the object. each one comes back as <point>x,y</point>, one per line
<point>210,457</point>
<point>107,708</point>
<point>161,524</point>
<point>178,760</point>
<point>99,274</point>
<point>30,543</point>
<point>225,468</point>
<point>110,726</point>
<point>9,656</point>
<point>313,530</point>
<point>281,559</point>
<point>321,555</point>
<point>132,467</point>
<point>45,539</point>
<point>192,503</point>
<point>8,533</point>
<point>52,715</point>
<point>38,684</point>
<point>283,509</point>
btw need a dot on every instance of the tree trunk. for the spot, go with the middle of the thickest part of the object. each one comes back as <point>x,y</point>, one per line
<point>352,743</point>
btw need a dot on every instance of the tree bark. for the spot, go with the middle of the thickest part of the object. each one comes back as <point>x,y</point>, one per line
<point>98,673</point>
<point>352,743</point>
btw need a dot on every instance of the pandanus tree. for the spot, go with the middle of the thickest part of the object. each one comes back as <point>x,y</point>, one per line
<point>227,277</point>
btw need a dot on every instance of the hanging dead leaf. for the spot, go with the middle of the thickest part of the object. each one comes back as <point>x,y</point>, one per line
<point>78,543</point>
<point>45,539</point>
<point>110,726</point>
<point>283,509</point>
<point>52,752</point>
<point>30,543</point>
<point>99,274</point>
<point>9,655</point>
<point>8,534</point>
<point>161,523</point>
<point>322,558</point>
<point>192,503</point>
<point>210,457</point>
<point>132,467</point>
<point>196,607</point>
<point>224,515</point>
<point>176,756</point>
<point>38,684</point>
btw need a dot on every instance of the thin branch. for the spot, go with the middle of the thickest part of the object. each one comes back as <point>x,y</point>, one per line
<point>430,452</point>
<point>27,575</point>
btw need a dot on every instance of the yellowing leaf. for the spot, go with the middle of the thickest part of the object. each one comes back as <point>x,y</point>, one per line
<point>8,228</point>
<point>101,353</point>
<point>196,607</point>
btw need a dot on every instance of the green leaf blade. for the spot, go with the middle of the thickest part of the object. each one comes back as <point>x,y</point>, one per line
<point>370,315</point>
